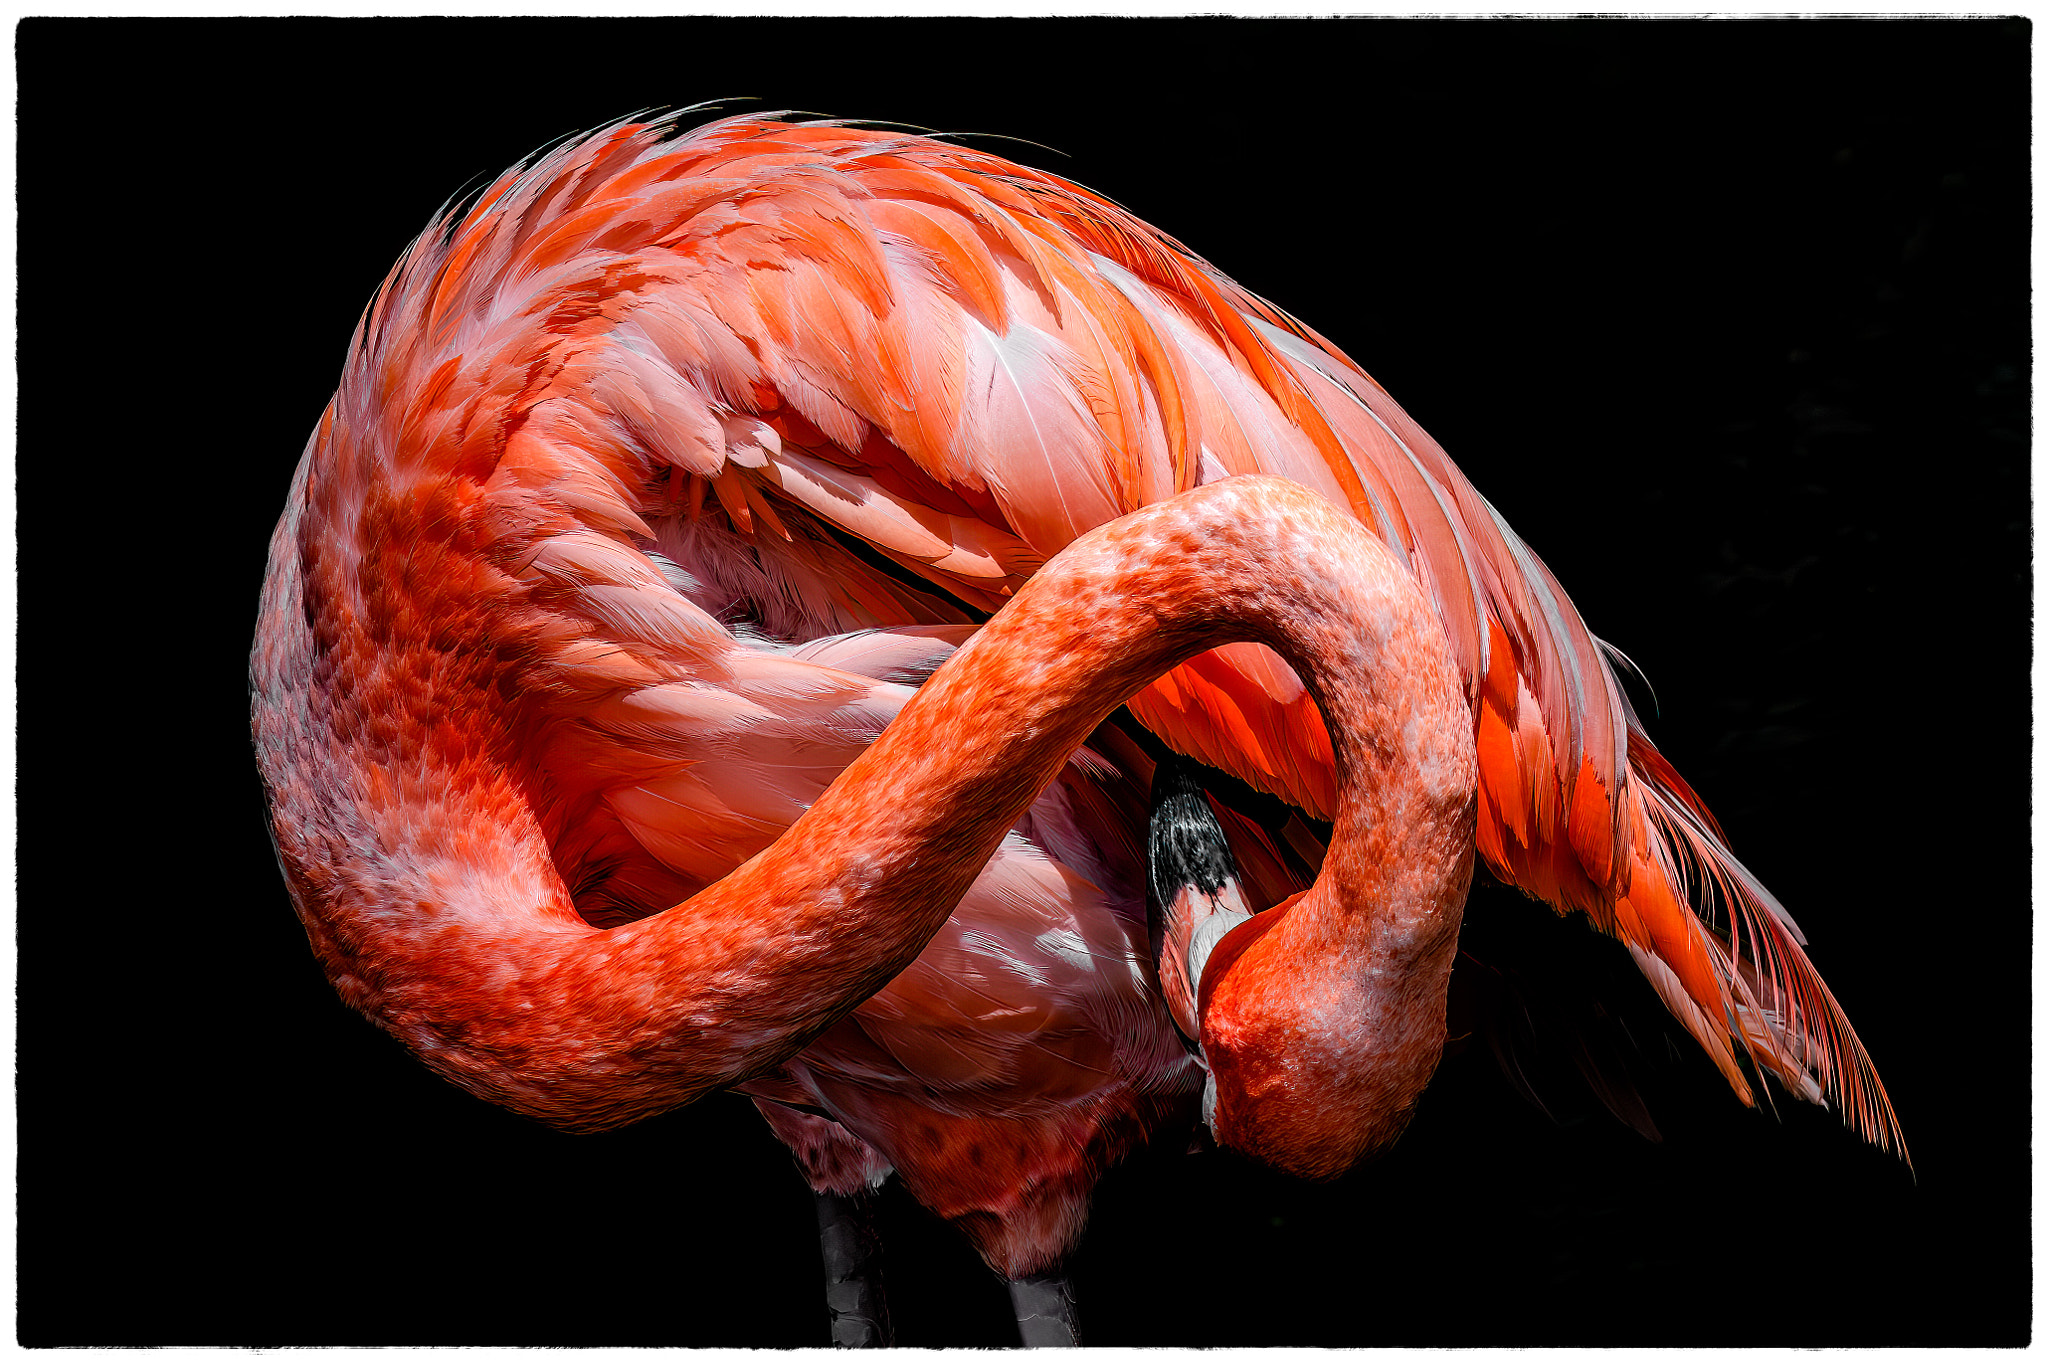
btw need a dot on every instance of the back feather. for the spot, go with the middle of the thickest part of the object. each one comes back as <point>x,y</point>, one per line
<point>887,361</point>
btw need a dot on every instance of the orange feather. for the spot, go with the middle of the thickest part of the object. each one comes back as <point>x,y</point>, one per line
<point>910,374</point>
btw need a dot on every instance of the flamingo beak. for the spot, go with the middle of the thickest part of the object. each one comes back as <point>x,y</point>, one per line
<point>1211,915</point>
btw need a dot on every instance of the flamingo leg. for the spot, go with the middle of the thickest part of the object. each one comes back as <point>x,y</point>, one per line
<point>1045,1310</point>
<point>854,1292</point>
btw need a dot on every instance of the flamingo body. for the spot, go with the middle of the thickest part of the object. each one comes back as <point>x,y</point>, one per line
<point>661,477</point>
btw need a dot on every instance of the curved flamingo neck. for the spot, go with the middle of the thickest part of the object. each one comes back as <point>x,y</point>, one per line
<point>1322,1021</point>
<point>590,1028</point>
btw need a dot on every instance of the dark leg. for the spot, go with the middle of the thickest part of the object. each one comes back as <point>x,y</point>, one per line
<point>853,1270</point>
<point>1045,1310</point>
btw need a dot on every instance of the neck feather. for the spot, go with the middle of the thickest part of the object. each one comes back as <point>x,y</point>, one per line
<point>589,1028</point>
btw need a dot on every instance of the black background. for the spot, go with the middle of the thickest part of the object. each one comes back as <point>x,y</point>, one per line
<point>1730,320</point>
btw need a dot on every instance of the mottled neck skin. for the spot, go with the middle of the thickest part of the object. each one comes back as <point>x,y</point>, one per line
<point>479,963</point>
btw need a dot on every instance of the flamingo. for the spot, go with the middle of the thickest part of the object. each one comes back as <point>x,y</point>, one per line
<point>687,661</point>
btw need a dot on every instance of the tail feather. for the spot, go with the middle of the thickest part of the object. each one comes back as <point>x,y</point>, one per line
<point>1688,1013</point>
<point>1719,949</point>
<point>1764,994</point>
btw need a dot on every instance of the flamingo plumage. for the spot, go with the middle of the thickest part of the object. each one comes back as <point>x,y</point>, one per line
<point>658,479</point>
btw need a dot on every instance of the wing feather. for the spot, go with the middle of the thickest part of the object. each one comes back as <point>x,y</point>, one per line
<point>842,332</point>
